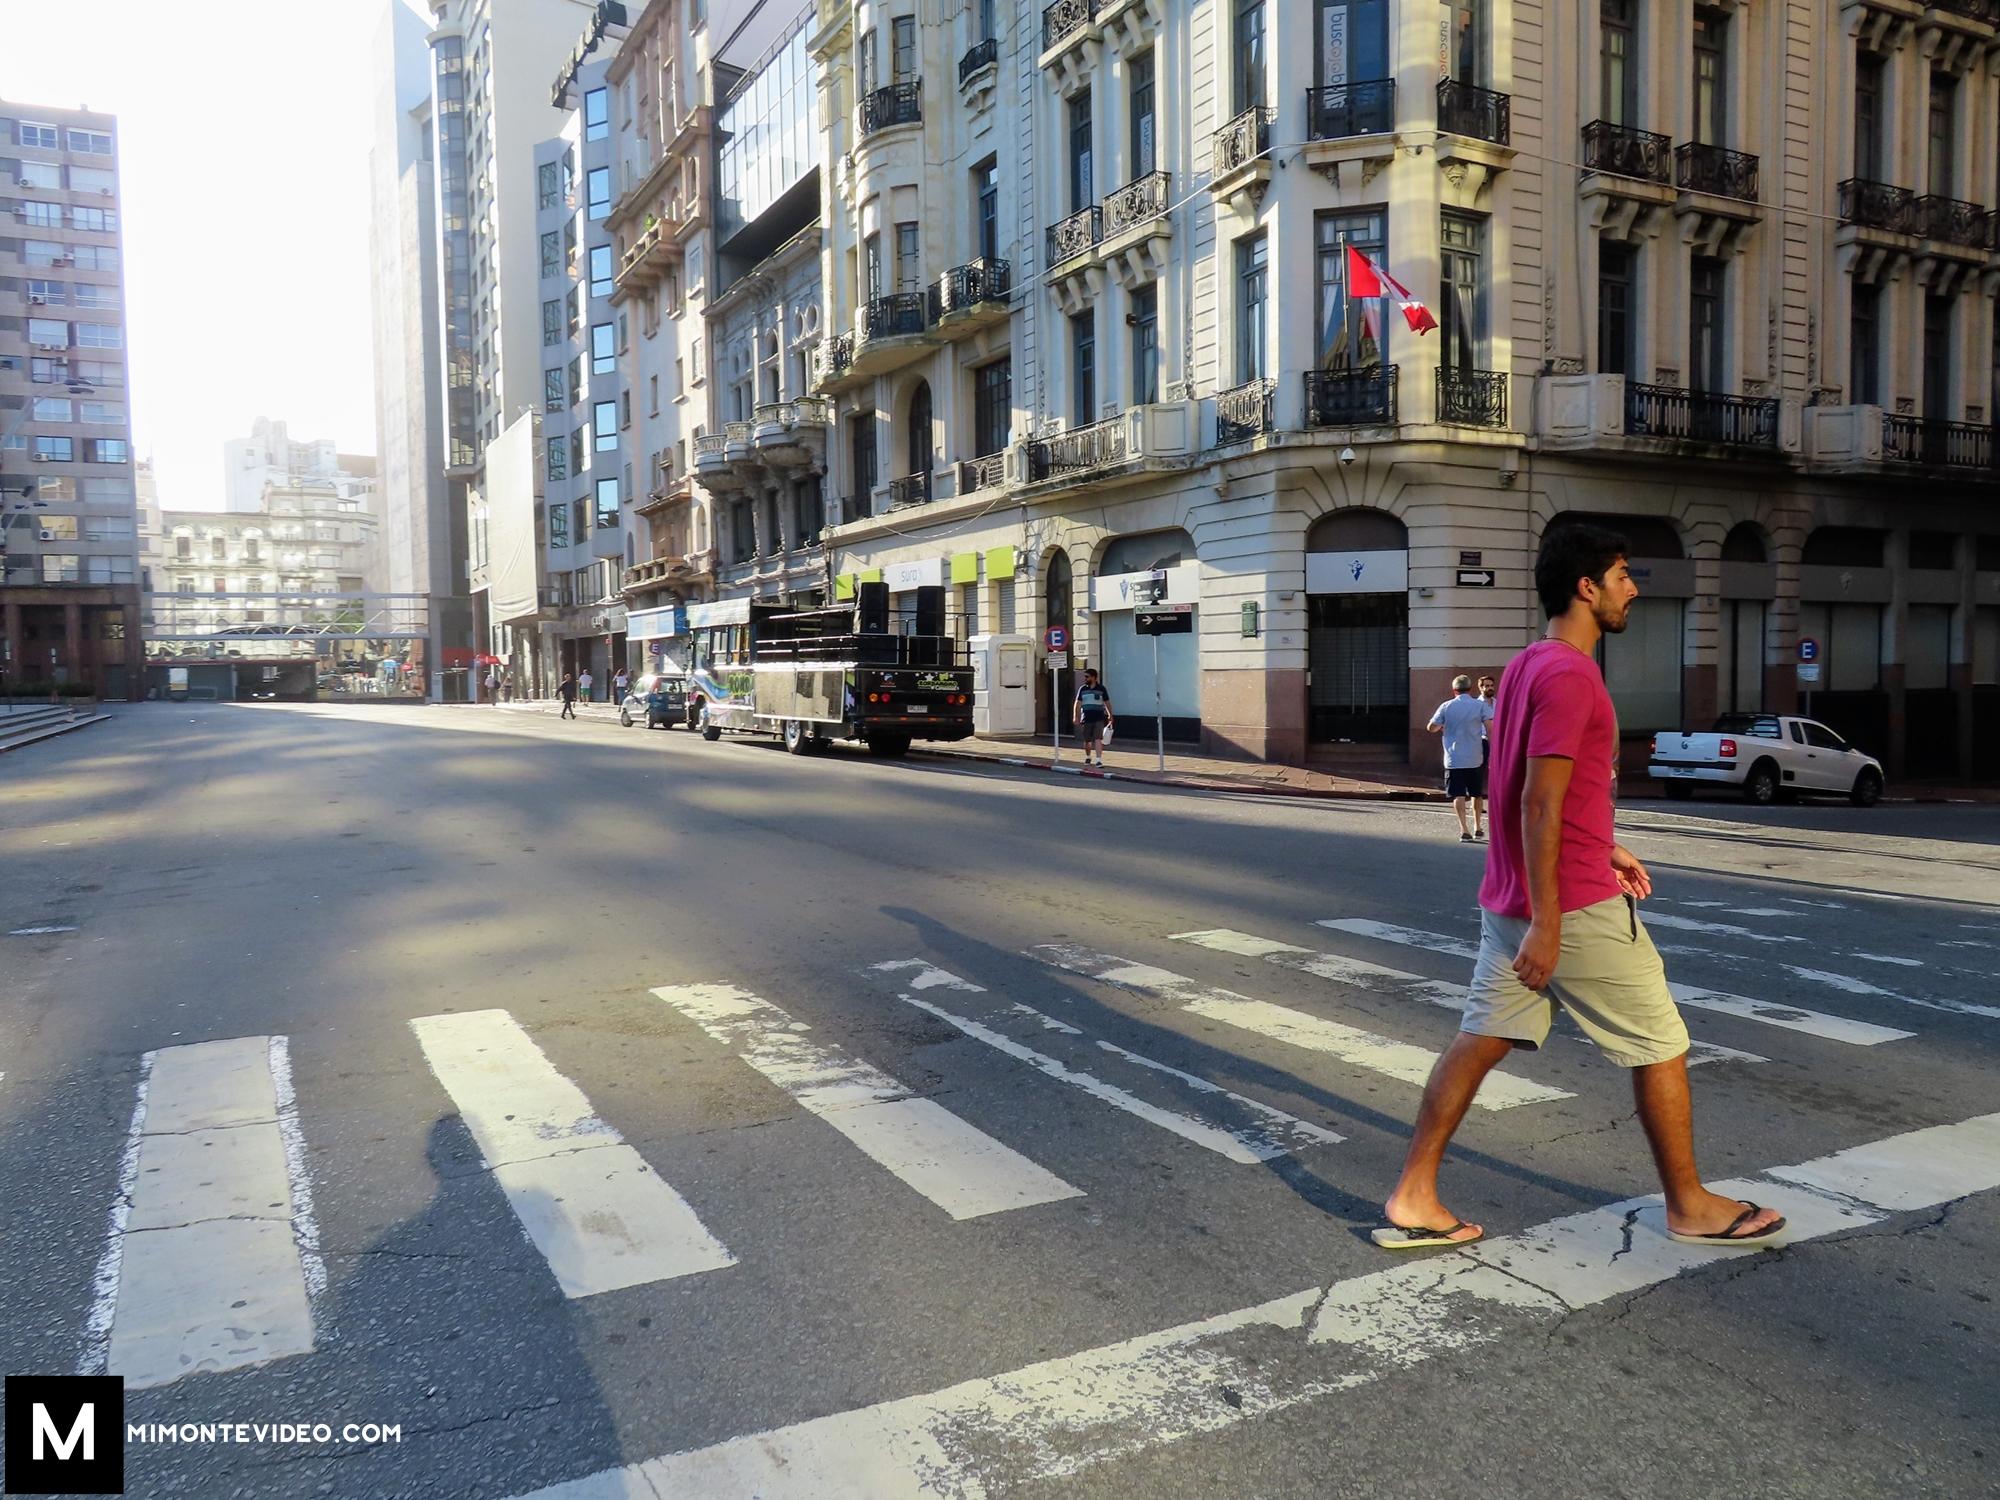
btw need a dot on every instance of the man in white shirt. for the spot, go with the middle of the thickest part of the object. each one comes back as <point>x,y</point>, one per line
<point>1462,720</point>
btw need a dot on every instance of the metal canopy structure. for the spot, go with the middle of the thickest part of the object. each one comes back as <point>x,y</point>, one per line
<point>280,624</point>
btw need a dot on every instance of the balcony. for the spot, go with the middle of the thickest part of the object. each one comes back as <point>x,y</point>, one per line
<point>1064,20</point>
<point>981,54</point>
<point>970,297</point>
<point>855,508</point>
<point>1987,11</point>
<point>1666,411</point>
<point>1627,178</point>
<point>1625,152</point>
<point>894,331</point>
<point>1880,206</point>
<point>893,104</point>
<point>1471,398</point>
<point>713,466</point>
<point>1937,443</point>
<point>988,472</point>
<point>672,492</point>
<point>1344,109</point>
<point>1077,235</point>
<point>1952,222</point>
<point>1135,205</point>
<point>1240,168</point>
<point>1077,451</point>
<point>835,364</point>
<point>646,262</point>
<point>738,441</point>
<point>1243,412</point>
<point>911,489</point>
<point>1700,168</point>
<point>1478,114</point>
<point>792,434</point>
<point>1124,449</point>
<point>1351,398</point>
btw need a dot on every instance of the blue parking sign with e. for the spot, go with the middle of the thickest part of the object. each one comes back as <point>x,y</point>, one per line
<point>1808,648</point>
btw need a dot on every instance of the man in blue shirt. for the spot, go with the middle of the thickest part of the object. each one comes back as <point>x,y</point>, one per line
<point>1462,721</point>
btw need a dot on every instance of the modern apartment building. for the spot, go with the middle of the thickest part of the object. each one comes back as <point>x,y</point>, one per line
<point>1722,275</point>
<point>69,589</point>
<point>270,455</point>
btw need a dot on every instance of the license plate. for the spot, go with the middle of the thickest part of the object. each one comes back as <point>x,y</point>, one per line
<point>918,708</point>
<point>1680,770</point>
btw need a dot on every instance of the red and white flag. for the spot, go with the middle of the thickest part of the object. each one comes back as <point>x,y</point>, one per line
<point>1367,279</point>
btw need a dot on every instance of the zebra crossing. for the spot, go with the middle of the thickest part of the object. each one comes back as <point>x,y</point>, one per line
<point>210,1259</point>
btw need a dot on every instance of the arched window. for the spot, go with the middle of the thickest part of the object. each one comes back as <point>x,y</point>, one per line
<point>1057,590</point>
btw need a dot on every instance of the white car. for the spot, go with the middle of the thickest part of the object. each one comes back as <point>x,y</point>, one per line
<point>1766,756</point>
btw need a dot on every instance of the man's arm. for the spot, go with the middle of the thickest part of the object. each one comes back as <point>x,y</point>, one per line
<point>1541,851</point>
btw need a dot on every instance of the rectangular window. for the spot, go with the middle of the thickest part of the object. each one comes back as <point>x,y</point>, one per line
<point>1618,62</point>
<point>90,142</point>
<point>51,331</point>
<point>60,488</point>
<point>92,180</point>
<point>54,450</point>
<point>99,336</point>
<point>744,528</point>
<point>576,379</point>
<point>1711,76</point>
<point>1864,368</point>
<point>53,409</point>
<point>871,266</point>
<point>597,114</point>
<point>861,448</point>
<point>41,136</point>
<point>1252,304</point>
<point>606,491</point>
<point>61,567</point>
<point>552,322</point>
<point>39,174</point>
<point>603,349</point>
<point>558,523</point>
<point>48,371</point>
<point>1251,69</point>
<point>579,515</point>
<point>100,372</point>
<point>558,458</point>
<point>551,253</point>
<point>108,529</point>
<point>992,406</point>
<point>554,397</point>
<point>576,464</point>
<point>1083,368</point>
<point>93,257</point>
<point>599,183</point>
<point>1937,356</point>
<point>107,570</point>
<point>1868,116</point>
<point>63,527</point>
<point>574,302</point>
<point>986,209</point>
<point>106,451</point>
<point>1462,316</point>
<point>1145,322</point>
<point>1145,156</point>
<point>101,413</point>
<point>600,271</point>
<point>808,511</point>
<point>903,49</point>
<point>1941,135</point>
<point>864,62</point>
<point>1364,343</point>
<point>909,265</point>
<point>100,220</point>
<point>1617,325</point>
<point>1706,354</point>
<point>549,185</point>
<point>91,294</point>
<point>604,426</point>
<point>1081,194</point>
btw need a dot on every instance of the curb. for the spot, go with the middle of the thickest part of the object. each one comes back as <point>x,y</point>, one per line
<point>22,741</point>
<point>1186,783</point>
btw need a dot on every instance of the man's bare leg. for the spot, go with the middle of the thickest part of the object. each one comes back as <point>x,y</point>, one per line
<point>1661,1092</point>
<point>1447,1096</point>
<point>1458,806</point>
<point>1479,815</point>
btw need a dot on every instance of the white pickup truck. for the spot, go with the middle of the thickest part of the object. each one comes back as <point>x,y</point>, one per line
<point>1766,756</point>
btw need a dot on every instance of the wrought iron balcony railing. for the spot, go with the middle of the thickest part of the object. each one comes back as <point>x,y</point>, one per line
<point>1243,139</point>
<point>1668,411</point>
<point>911,489</point>
<point>1344,109</point>
<point>1952,221</point>
<point>969,285</point>
<point>1136,202</point>
<point>981,54</point>
<point>1243,412</point>
<point>1078,450</point>
<point>1468,110</point>
<point>835,355</point>
<point>1064,17</point>
<point>985,473</point>
<point>895,316</point>
<point>1876,205</point>
<point>1364,397</point>
<point>1931,440</point>
<point>1069,238</point>
<point>1625,152</point>
<point>1973,10</point>
<point>1714,169</point>
<point>1471,398</point>
<point>892,104</point>
<point>855,508</point>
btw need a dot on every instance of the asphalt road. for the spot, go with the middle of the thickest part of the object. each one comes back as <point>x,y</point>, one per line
<point>1030,1128</point>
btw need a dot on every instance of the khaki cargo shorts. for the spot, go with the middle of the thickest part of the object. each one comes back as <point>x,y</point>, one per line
<point>1609,978</point>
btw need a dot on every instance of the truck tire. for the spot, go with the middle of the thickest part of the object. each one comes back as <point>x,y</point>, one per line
<point>710,731</point>
<point>1761,785</point>
<point>797,741</point>
<point>1680,791</point>
<point>1867,789</point>
<point>888,746</point>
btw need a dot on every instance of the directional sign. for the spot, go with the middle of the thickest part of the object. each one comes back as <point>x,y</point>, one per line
<point>1808,649</point>
<point>1475,578</point>
<point>1056,638</point>
<point>1171,619</point>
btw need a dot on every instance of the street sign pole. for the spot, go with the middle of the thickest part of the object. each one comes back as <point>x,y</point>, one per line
<point>1159,724</point>
<point>1055,706</point>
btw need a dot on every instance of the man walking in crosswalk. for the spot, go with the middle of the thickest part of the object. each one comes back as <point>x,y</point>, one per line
<point>1559,920</point>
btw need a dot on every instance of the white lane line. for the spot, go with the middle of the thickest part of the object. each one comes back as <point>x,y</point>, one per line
<point>600,1216</point>
<point>961,1169</point>
<point>1279,1135</point>
<point>1406,937</point>
<point>1717,929</point>
<point>1055,1419</point>
<point>305,1223</point>
<point>1725,907</point>
<point>1854,986</point>
<point>1786,1017</point>
<point>1398,982</point>
<point>37,931</point>
<point>1361,1049</point>
<point>1889,958</point>
<point>204,1268</point>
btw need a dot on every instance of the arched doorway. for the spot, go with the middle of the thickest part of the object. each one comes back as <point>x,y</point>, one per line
<point>1644,666</point>
<point>1058,689</point>
<point>1748,585</point>
<point>922,451</point>
<point>1358,630</point>
<point>1844,591</point>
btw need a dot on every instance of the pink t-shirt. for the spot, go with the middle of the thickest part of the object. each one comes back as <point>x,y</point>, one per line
<point>1552,701</point>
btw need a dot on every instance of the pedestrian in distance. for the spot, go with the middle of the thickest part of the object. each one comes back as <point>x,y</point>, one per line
<point>619,683</point>
<point>1559,916</point>
<point>1461,720</point>
<point>1092,712</point>
<point>583,684</point>
<point>566,690</point>
<point>1489,692</point>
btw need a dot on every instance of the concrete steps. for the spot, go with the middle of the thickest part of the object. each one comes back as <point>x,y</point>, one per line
<point>26,726</point>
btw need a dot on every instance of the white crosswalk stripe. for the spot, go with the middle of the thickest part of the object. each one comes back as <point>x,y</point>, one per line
<point>1786,1017</point>
<point>601,1217</point>
<point>1363,1049</point>
<point>1274,1133</point>
<point>1053,1420</point>
<point>212,1257</point>
<point>1397,983</point>
<point>961,1169</point>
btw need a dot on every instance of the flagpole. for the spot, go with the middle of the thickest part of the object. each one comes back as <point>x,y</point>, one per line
<point>1347,299</point>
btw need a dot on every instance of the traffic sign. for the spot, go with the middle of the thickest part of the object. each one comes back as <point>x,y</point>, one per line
<point>1808,649</point>
<point>1475,578</point>
<point>1808,671</point>
<point>1168,619</point>
<point>1056,638</point>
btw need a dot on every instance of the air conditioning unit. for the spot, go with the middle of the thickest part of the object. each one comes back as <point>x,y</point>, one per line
<point>107,192</point>
<point>51,348</point>
<point>36,299</point>
<point>22,182</point>
<point>46,534</point>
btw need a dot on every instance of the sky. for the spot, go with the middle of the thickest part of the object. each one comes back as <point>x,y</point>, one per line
<point>243,154</point>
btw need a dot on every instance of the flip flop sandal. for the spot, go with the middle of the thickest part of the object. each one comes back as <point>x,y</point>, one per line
<point>1729,1236</point>
<point>1396,1237</point>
